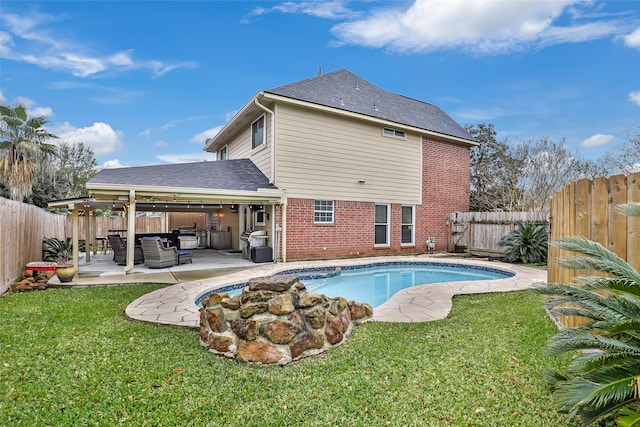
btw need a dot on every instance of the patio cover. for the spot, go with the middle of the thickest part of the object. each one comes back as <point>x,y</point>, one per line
<point>170,188</point>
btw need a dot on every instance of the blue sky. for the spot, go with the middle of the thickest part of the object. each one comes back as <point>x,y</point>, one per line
<point>146,82</point>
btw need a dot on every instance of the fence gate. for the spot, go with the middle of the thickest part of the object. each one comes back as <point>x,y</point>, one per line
<point>478,233</point>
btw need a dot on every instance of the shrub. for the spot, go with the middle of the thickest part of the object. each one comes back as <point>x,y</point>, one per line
<point>603,381</point>
<point>528,243</point>
<point>57,250</point>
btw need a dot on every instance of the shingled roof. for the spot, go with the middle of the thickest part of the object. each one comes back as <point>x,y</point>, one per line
<point>346,91</point>
<point>240,174</point>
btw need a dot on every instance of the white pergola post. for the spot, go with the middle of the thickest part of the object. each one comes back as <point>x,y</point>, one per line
<point>131,232</point>
<point>75,239</point>
<point>87,235</point>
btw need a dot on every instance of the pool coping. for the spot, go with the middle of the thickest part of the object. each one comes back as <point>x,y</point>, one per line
<point>176,305</point>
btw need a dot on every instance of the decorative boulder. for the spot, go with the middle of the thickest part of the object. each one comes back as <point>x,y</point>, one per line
<point>276,321</point>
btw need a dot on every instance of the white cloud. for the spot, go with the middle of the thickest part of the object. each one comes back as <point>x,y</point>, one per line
<point>113,164</point>
<point>161,144</point>
<point>32,109</point>
<point>100,137</point>
<point>27,39</point>
<point>633,39</point>
<point>42,111</point>
<point>2,97</point>
<point>201,137</point>
<point>145,132</point>
<point>635,96</point>
<point>597,140</point>
<point>322,9</point>
<point>482,27</point>
<point>187,157</point>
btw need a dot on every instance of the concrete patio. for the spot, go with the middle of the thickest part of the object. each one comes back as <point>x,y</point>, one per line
<point>102,270</point>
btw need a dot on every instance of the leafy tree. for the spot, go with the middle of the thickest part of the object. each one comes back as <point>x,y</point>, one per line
<point>528,243</point>
<point>64,176</point>
<point>546,166</point>
<point>522,177</point>
<point>494,172</point>
<point>627,158</point>
<point>603,380</point>
<point>77,165</point>
<point>22,140</point>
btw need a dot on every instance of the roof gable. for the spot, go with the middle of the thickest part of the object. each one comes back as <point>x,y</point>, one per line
<point>240,174</point>
<point>346,91</point>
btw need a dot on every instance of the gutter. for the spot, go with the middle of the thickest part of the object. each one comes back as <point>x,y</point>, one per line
<point>209,142</point>
<point>273,134</point>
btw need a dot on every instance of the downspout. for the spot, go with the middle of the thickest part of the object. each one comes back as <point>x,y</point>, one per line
<point>131,232</point>
<point>273,135</point>
<point>283,236</point>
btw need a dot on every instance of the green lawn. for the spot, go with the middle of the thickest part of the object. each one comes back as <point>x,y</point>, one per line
<point>71,357</point>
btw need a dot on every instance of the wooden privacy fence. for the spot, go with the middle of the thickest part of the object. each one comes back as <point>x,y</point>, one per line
<point>478,233</point>
<point>143,224</point>
<point>587,208</point>
<point>21,232</point>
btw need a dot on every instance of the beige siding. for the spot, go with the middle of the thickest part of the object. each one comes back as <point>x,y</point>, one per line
<point>240,148</point>
<point>320,155</point>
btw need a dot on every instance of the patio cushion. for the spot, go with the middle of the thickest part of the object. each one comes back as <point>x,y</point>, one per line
<point>185,257</point>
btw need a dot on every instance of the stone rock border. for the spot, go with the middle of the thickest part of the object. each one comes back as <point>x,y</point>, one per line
<point>276,320</point>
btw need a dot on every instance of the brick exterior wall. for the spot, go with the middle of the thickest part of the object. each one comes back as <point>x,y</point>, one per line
<point>445,189</point>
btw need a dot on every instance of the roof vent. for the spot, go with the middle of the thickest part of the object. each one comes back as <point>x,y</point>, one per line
<point>341,101</point>
<point>375,107</point>
<point>357,87</point>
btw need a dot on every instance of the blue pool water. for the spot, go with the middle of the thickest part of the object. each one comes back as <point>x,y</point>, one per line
<point>376,283</point>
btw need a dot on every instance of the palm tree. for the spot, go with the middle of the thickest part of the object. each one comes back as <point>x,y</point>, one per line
<point>603,381</point>
<point>21,139</point>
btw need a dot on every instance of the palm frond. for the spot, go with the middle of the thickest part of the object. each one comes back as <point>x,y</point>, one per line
<point>597,258</point>
<point>598,395</point>
<point>628,418</point>
<point>596,283</point>
<point>629,209</point>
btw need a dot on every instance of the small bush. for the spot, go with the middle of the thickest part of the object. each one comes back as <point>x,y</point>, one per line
<point>57,250</point>
<point>528,243</point>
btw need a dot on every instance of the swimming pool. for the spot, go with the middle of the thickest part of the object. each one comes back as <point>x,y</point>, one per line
<point>376,283</point>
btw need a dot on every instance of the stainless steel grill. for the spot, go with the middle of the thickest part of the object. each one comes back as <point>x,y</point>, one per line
<point>188,238</point>
<point>252,239</point>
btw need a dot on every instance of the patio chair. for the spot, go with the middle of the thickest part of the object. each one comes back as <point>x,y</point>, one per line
<point>119,248</point>
<point>156,255</point>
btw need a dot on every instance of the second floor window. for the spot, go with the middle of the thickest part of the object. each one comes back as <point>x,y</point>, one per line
<point>222,153</point>
<point>257,133</point>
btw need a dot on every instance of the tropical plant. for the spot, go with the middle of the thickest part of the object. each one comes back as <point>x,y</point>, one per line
<point>603,381</point>
<point>54,249</point>
<point>527,243</point>
<point>21,139</point>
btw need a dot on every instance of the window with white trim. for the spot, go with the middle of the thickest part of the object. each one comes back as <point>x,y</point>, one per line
<point>394,133</point>
<point>408,230</point>
<point>381,226</point>
<point>258,133</point>
<point>323,211</point>
<point>222,153</point>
